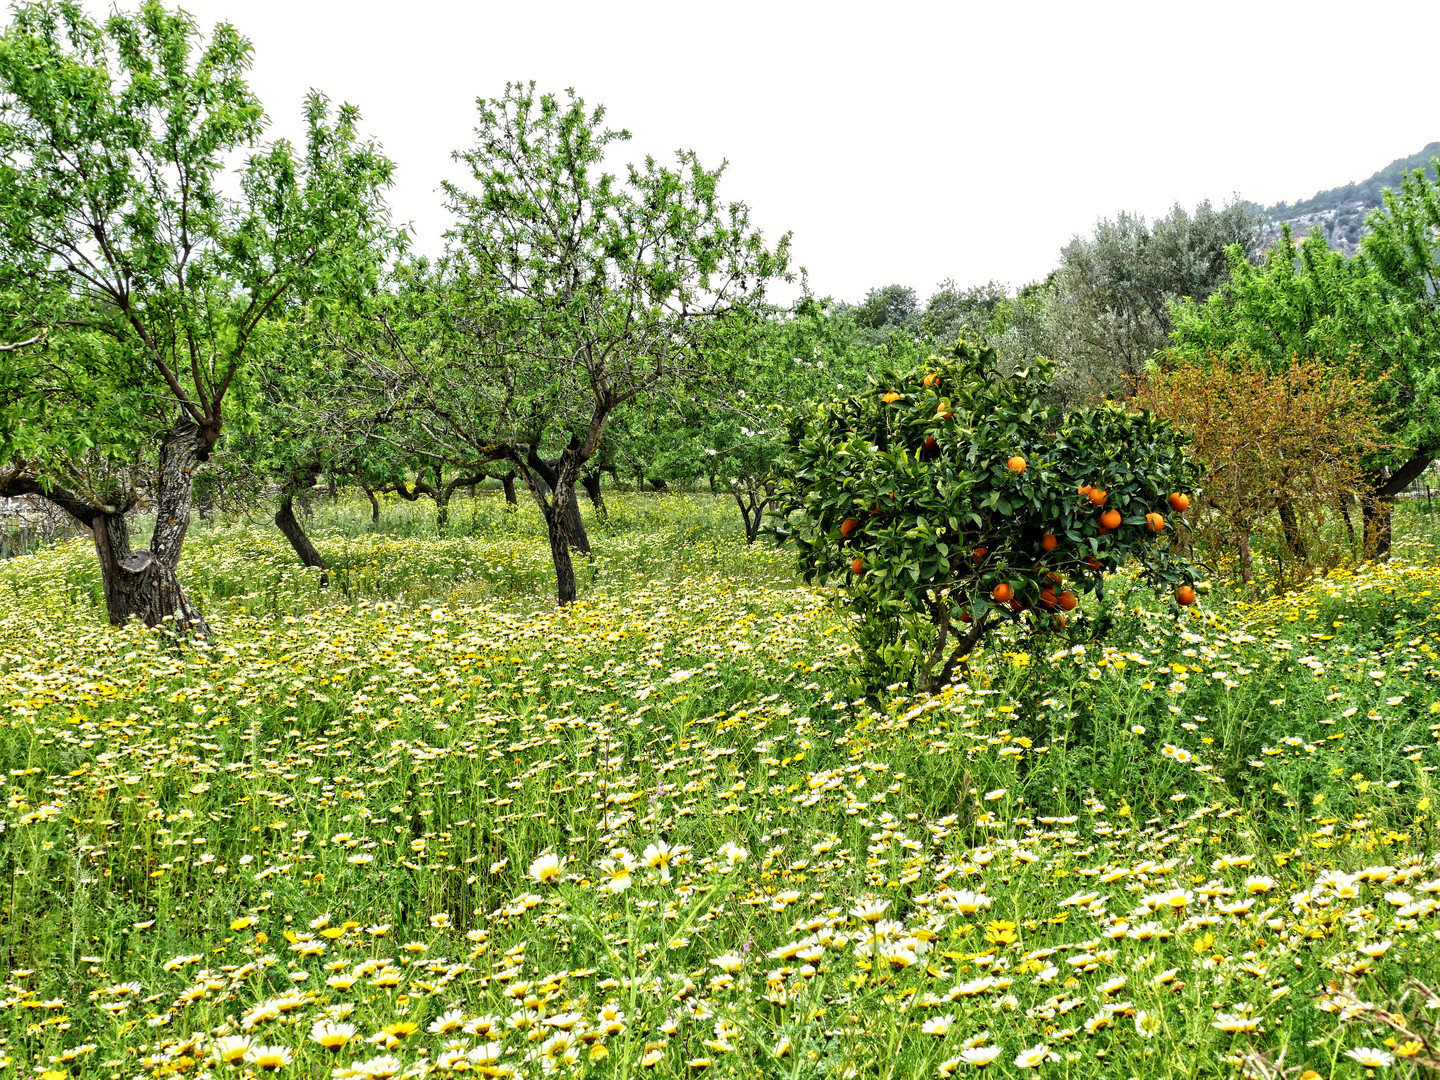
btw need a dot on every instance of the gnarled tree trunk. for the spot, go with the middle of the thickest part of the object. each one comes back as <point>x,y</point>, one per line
<point>508,483</point>
<point>288,524</point>
<point>550,477</point>
<point>142,584</point>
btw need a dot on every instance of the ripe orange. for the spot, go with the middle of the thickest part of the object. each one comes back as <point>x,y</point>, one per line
<point>965,616</point>
<point>1179,502</point>
<point>931,379</point>
<point>1155,521</point>
<point>1018,605</point>
<point>1047,599</point>
<point>848,526</point>
<point>1049,541</point>
<point>1016,464</point>
<point>1084,490</point>
<point>1002,592</point>
<point>892,396</point>
<point>1096,496</point>
<point>1185,594</point>
<point>1110,519</point>
<point>930,442</point>
<point>1092,562</point>
<point>858,566</point>
<point>1053,579</point>
<point>979,554</point>
<point>1066,601</point>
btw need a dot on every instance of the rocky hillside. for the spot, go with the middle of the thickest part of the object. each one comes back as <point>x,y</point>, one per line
<point>1340,211</point>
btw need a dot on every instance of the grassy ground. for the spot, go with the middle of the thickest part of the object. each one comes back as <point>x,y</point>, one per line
<point>421,821</point>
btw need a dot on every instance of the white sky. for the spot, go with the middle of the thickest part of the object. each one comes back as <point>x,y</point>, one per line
<point>898,141</point>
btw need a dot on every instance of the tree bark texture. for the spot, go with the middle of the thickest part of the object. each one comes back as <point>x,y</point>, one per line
<point>374,505</point>
<point>551,474</point>
<point>508,483</point>
<point>142,584</point>
<point>288,524</point>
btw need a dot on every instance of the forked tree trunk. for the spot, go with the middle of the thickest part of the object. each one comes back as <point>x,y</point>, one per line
<point>550,479</point>
<point>142,584</point>
<point>290,525</point>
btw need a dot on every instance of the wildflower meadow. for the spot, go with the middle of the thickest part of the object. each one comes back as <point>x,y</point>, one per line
<point>424,822</point>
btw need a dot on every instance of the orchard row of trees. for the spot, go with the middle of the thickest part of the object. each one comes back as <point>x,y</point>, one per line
<point>169,319</point>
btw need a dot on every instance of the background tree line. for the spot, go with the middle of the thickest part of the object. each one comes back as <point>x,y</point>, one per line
<point>174,324</point>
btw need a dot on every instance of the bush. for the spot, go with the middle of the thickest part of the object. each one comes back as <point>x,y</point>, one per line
<point>1281,450</point>
<point>948,499</point>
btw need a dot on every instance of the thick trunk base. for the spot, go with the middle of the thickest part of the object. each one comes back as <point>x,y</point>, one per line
<point>153,595</point>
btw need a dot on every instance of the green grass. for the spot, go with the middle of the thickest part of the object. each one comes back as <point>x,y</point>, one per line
<point>402,802</point>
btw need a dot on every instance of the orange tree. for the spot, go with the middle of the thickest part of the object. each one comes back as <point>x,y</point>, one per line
<point>949,499</point>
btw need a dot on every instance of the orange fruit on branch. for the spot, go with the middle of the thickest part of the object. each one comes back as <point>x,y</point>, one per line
<point>848,526</point>
<point>1155,521</point>
<point>931,379</point>
<point>1066,601</point>
<point>1049,541</point>
<point>858,565</point>
<point>1110,519</point>
<point>979,554</point>
<point>892,396</point>
<point>1096,496</point>
<point>1185,594</point>
<point>1179,501</point>
<point>1002,593</point>
<point>1016,464</point>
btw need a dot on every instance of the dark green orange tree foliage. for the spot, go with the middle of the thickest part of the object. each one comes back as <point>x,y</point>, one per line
<point>949,499</point>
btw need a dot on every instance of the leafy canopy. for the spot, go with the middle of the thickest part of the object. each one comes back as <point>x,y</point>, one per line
<point>154,272</point>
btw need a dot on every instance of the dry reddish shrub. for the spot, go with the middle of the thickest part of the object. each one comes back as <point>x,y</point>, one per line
<point>1281,450</point>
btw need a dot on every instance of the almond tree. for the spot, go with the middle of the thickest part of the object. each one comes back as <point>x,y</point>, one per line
<point>155,284</point>
<point>567,293</point>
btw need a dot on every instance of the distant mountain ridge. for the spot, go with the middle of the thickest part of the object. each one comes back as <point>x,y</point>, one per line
<point>1340,211</point>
